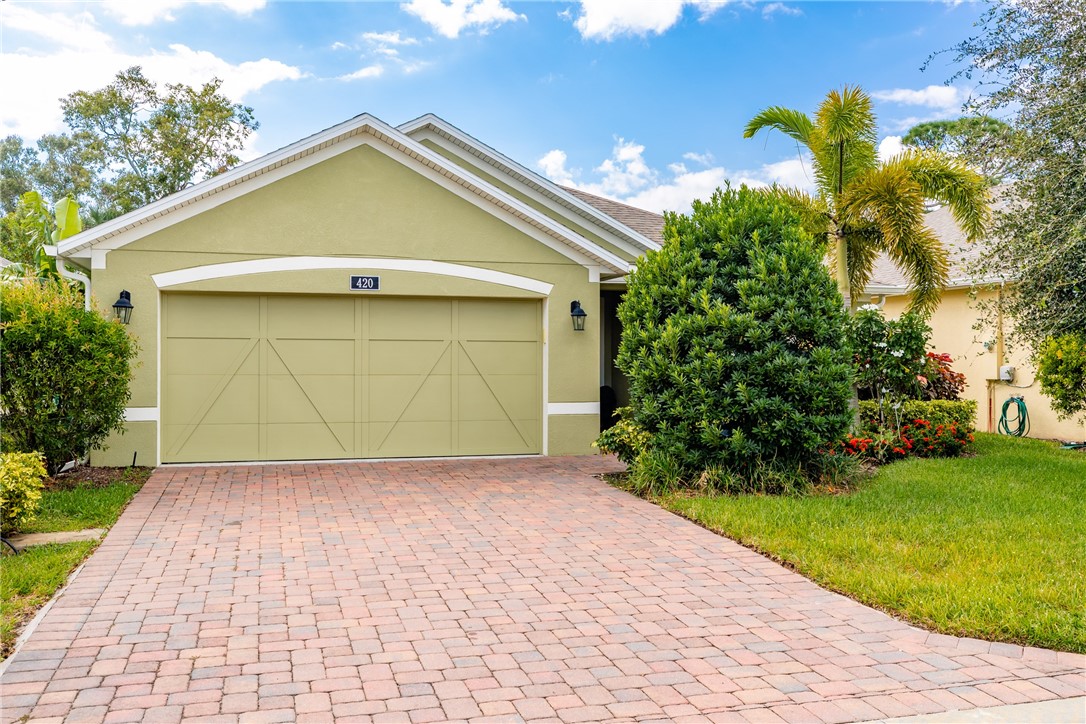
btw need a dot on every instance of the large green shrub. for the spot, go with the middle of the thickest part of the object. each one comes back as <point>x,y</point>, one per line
<point>21,479</point>
<point>733,342</point>
<point>1061,369</point>
<point>64,372</point>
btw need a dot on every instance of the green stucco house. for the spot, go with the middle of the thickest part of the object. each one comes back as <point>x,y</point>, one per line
<point>368,292</point>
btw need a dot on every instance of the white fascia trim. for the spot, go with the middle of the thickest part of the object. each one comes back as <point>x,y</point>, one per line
<point>165,280</point>
<point>605,228</point>
<point>362,130</point>
<point>141,414</point>
<point>955,284</point>
<point>525,175</point>
<point>573,408</point>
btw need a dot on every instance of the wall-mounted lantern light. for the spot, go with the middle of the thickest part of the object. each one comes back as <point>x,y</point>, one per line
<point>578,315</point>
<point>122,308</point>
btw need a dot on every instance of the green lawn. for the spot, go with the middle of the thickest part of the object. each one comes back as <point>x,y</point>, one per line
<point>91,498</point>
<point>991,546</point>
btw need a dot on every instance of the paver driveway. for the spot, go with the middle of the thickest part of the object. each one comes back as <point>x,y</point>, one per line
<point>450,590</point>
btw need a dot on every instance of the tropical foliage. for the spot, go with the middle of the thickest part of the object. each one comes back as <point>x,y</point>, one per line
<point>1029,63</point>
<point>865,206</point>
<point>733,342</point>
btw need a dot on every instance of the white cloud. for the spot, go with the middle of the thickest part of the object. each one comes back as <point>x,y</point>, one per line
<point>609,19</point>
<point>943,97</point>
<point>626,177</point>
<point>553,166</point>
<point>705,159</point>
<point>369,71</point>
<point>88,59</point>
<point>770,9</point>
<point>146,12</point>
<point>449,18</point>
<point>890,147</point>
<point>391,38</point>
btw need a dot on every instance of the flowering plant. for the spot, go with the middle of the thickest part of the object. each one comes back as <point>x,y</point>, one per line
<point>939,381</point>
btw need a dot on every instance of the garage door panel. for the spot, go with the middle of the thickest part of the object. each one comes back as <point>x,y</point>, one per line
<point>410,439</point>
<point>507,397</point>
<point>212,316</point>
<point>203,355</point>
<point>387,357</point>
<point>311,317</point>
<point>311,398</point>
<point>210,442</point>
<point>498,358</point>
<point>311,356</point>
<point>435,377</point>
<point>498,320</point>
<point>498,437</point>
<point>410,398</point>
<point>409,319</point>
<point>312,441</point>
<point>204,398</point>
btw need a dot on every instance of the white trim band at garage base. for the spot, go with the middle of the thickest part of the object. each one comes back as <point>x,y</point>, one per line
<point>141,414</point>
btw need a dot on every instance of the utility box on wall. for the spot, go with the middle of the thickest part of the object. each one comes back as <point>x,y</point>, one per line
<point>1006,373</point>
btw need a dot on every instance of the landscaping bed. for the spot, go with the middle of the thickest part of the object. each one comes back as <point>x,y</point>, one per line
<point>83,498</point>
<point>990,546</point>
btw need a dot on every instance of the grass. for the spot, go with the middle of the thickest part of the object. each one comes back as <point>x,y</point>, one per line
<point>991,546</point>
<point>85,498</point>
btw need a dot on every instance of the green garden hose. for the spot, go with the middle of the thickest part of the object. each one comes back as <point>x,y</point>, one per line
<point>1018,425</point>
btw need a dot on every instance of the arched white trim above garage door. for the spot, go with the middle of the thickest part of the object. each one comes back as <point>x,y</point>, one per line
<point>166,280</point>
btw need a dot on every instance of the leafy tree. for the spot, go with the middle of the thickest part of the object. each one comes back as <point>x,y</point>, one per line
<point>26,229</point>
<point>158,142</point>
<point>978,140</point>
<point>865,206</point>
<point>733,342</point>
<point>68,166</point>
<point>16,164</point>
<point>1029,58</point>
<point>1061,369</point>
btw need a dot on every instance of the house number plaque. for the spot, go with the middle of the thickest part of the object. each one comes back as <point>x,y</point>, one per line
<point>365,284</point>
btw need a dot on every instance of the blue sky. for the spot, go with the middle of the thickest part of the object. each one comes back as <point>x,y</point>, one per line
<point>643,101</point>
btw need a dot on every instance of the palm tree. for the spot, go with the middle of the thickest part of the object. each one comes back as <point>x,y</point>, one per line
<point>866,206</point>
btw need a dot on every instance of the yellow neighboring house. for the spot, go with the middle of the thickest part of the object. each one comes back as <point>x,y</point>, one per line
<point>980,355</point>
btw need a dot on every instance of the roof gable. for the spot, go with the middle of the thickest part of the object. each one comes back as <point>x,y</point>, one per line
<point>561,200</point>
<point>365,128</point>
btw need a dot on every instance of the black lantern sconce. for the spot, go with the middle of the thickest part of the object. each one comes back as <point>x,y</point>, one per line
<point>578,315</point>
<point>122,308</point>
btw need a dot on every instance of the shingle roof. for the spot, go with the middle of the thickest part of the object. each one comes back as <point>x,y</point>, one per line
<point>962,254</point>
<point>644,222</point>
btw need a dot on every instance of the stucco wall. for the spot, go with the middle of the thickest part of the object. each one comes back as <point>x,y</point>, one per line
<point>359,203</point>
<point>953,333</point>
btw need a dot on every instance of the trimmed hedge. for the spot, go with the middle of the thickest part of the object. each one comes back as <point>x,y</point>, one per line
<point>962,413</point>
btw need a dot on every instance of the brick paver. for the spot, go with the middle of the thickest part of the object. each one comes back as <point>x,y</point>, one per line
<point>506,589</point>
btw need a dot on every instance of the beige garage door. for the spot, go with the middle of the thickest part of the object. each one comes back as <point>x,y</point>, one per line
<point>249,377</point>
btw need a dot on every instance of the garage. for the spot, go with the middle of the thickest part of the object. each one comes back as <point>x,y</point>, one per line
<point>306,377</point>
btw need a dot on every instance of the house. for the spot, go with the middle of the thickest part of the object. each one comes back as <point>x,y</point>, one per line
<point>368,292</point>
<point>979,354</point>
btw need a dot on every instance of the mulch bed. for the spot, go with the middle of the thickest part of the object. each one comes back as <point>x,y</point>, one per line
<point>86,476</point>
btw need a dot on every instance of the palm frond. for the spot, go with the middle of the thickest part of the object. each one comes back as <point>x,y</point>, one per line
<point>794,124</point>
<point>813,214</point>
<point>949,181</point>
<point>862,246</point>
<point>891,200</point>
<point>845,116</point>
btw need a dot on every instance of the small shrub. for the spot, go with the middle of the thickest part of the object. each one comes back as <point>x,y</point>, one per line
<point>733,342</point>
<point>919,438</point>
<point>1061,369</point>
<point>961,413</point>
<point>936,441</point>
<point>625,439</point>
<point>939,381</point>
<point>64,372</point>
<point>21,479</point>
<point>889,354</point>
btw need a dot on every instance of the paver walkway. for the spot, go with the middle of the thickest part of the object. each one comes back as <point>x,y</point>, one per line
<point>422,591</point>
